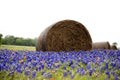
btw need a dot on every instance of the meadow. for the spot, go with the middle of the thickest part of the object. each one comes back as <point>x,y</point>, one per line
<point>14,47</point>
<point>27,64</point>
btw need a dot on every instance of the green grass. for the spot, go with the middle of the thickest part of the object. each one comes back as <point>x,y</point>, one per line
<point>15,47</point>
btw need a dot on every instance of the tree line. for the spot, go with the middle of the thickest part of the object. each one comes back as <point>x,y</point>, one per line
<point>12,40</point>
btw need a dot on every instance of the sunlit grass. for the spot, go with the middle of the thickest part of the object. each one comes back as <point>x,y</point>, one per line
<point>15,47</point>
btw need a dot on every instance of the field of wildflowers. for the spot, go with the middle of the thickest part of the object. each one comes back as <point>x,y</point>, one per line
<point>64,65</point>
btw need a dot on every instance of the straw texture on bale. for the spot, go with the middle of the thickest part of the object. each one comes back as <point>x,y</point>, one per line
<point>101,45</point>
<point>65,35</point>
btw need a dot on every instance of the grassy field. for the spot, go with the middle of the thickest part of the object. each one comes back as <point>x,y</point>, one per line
<point>31,65</point>
<point>14,47</point>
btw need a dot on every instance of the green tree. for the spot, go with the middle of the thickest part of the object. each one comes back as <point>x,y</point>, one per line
<point>19,41</point>
<point>1,39</point>
<point>9,39</point>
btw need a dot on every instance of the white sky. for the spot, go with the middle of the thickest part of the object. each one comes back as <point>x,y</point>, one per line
<point>28,18</point>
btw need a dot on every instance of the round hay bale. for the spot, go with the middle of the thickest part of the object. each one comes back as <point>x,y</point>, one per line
<point>65,35</point>
<point>114,47</point>
<point>101,45</point>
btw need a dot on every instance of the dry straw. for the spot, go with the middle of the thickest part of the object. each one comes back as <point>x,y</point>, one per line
<point>65,35</point>
<point>101,45</point>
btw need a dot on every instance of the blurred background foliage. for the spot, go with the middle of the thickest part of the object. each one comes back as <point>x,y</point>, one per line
<point>12,40</point>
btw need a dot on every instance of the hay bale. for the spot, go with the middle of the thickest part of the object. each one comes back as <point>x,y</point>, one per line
<point>101,45</point>
<point>114,47</point>
<point>65,35</point>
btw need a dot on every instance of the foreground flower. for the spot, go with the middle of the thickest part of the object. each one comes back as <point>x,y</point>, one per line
<point>64,65</point>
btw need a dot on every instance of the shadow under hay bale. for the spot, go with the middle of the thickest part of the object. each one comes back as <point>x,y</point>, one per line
<point>101,45</point>
<point>65,35</point>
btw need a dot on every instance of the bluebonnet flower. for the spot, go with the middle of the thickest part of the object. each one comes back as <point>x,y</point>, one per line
<point>106,66</point>
<point>65,74</point>
<point>116,77</point>
<point>64,67</point>
<point>113,64</point>
<point>81,71</point>
<point>108,73</point>
<point>19,70</point>
<point>71,76</point>
<point>88,65</point>
<point>42,72</point>
<point>69,72</point>
<point>84,62</point>
<point>27,72</point>
<point>47,75</point>
<point>38,68</point>
<point>33,74</point>
<point>113,73</point>
<point>118,65</point>
<point>7,67</point>
<point>71,63</point>
<point>34,63</point>
<point>57,65</point>
<point>90,72</point>
<point>42,66</point>
<point>72,66</point>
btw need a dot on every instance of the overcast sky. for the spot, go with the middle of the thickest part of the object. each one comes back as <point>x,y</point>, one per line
<point>28,18</point>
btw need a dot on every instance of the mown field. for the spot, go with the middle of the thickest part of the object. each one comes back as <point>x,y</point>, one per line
<point>14,47</point>
<point>24,63</point>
